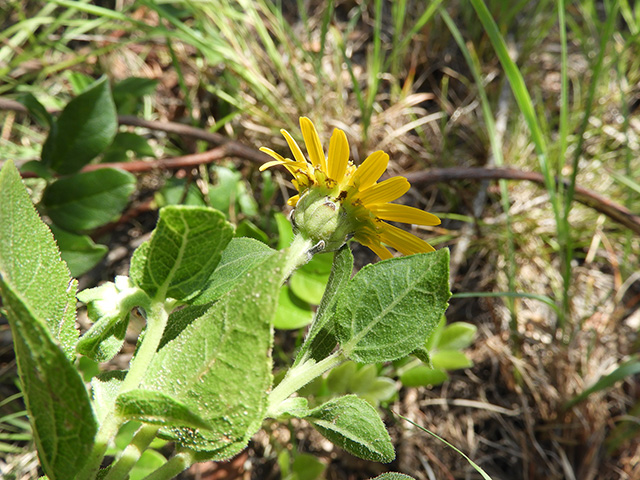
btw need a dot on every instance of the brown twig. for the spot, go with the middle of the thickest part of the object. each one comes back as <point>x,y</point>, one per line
<point>227,148</point>
<point>584,196</point>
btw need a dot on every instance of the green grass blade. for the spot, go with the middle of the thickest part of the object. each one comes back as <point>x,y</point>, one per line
<point>484,474</point>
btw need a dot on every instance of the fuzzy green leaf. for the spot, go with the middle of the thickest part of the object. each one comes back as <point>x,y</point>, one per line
<point>86,127</point>
<point>105,387</point>
<point>57,401</point>
<point>393,476</point>
<point>157,409</point>
<point>354,425</point>
<point>321,338</point>
<point>30,263</point>
<point>87,200</point>
<point>240,256</point>
<point>388,309</point>
<point>219,365</point>
<point>183,251</point>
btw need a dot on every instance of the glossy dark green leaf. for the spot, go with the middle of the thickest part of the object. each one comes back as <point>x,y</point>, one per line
<point>84,129</point>
<point>354,425</point>
<point>128,93</point>
<point>30,262</point>
<point>36,109</point>
<point>79,252</point>
<point>389,308</point>
<point>88,200</point>
<point>183,251</point>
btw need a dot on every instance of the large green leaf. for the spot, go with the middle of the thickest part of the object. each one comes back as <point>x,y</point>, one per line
<point>85,128</point>
<point>156,408</point>
<point>30,262</point>
<point>240,256</point>
<point>88,200</point>
<point>56,398</point>
<point>219,365</point>
<point>183,251</point>
<point>353,424</point>
<point>388,309</point>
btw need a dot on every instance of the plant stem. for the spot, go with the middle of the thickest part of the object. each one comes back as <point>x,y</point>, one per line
<point>298,254</point>
<point>156,323</point>
<point>297,377</point>
<point>176,464</point>
<point>141,441</point>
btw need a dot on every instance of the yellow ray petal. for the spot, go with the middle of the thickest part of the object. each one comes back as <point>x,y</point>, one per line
<point>384,192</point>
<point>402,241</point>
<point>293,145</point>
<point>380,250</point>
<point>370,171</point>
<point>404,213</point>
<point>312,141</point>
<point>273,154</point>
<point>338,155</point>
<point>293,201</point>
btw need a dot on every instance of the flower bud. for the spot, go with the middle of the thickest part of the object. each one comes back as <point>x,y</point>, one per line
<point>321,219</point>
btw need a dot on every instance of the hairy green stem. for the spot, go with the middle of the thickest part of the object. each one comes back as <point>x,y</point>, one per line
<point>141,441</point>
<point>156,323</point>
<point>298,253</point>
<point>298,376</point>
<point>176,464</point>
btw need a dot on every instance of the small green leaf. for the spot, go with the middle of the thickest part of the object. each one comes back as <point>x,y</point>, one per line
<point>240,256</point>
<point>321,338</point>
<point>450,360</point>
<point>57,402</point>
<point>292,313</point>
<point>423,376</point>
<point>124,144</point>
<point>128,93</point>
<point>340,378</point>
<point>183,251</point>
<point>79,81</point>
<point>219,365</point>
<point>225,191</point>
<point>30,262</point>
<point>157,409</point>
<point>79,252</point>
<point>307,467</point>
<point>457,336</point>
<point>388,309</point>
<point>88,200</point>
<point>36,109</point>
<point>84,129</point>
<point>105,338</point>
<point>179,191</point>
<point>354,425</point>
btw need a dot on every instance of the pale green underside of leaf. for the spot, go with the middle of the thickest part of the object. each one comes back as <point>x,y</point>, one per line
<point>219,364</point>
<point>183,251</point>
<point>389,308</point>
<point>30,262</point>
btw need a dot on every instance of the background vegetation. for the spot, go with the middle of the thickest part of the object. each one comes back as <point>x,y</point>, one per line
<point>515,122</point>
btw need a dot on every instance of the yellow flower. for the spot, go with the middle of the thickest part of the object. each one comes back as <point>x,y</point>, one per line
<point>361,204</point>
